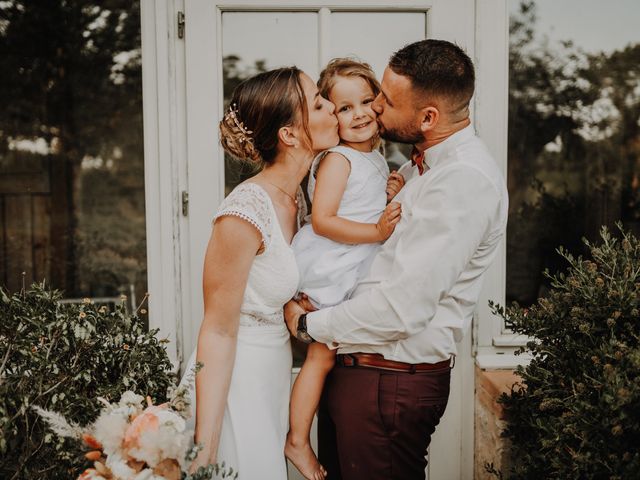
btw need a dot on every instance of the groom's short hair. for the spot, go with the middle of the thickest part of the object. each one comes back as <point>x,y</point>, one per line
<point>437,68</point>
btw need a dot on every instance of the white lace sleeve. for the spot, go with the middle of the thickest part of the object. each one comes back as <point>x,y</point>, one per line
<point>249,202</point>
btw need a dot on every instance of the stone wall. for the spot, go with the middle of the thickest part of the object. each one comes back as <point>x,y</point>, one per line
<point>490,447</point>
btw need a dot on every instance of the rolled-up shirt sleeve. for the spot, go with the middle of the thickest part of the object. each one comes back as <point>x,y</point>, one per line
<point>446,225</point>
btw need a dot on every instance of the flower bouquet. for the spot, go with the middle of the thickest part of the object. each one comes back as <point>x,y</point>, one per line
<point>136,440</point>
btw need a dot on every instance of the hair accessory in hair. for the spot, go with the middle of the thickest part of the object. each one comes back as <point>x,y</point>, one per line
<point>233,114</point>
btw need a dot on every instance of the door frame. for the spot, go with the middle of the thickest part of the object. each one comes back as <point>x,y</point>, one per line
<point>181,89</point>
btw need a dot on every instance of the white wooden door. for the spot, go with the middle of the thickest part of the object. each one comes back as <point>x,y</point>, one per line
<point>250,35</point>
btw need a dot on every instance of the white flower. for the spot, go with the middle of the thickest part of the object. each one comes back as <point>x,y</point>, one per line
<point>147,474</point>
<point>119,467</point>
<point>109,430</point>
<point>131,399</point>
<point>167,441</point>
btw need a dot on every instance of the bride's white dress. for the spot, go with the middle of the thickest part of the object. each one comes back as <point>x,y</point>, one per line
<point>255,421</point>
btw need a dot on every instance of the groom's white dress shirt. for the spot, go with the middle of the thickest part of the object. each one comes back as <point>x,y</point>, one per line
<point>420,294</point>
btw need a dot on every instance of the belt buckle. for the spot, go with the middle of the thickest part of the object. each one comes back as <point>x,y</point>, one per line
<point>353,358</point>
<point>343,356</point>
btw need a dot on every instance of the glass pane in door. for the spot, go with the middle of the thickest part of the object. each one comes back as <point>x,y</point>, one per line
<point>373,37</point>
<point>276,39</point>
<point>574,134</point>
<point>71,161</point>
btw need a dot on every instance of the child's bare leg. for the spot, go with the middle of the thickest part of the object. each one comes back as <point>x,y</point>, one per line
<point>305,397</point>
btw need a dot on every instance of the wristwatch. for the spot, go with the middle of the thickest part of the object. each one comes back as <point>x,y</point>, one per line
<point>302,333</point>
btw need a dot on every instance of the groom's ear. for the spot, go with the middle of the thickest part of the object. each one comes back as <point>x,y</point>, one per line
<point>288,136</point>
<point>429,117</point>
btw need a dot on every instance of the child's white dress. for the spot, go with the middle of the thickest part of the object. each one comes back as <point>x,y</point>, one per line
<point>329,270</point>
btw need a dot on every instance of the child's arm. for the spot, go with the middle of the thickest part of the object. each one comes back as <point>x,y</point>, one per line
<point>394,183</point>
<point>331,181</point>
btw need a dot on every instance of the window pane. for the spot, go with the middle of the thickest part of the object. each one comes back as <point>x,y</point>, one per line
<point>269,46</point>
<point>373,37</point>
<point>71,158</point>
<point>574,132</point>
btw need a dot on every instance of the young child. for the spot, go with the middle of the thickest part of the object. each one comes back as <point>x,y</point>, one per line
<point>348,185</point>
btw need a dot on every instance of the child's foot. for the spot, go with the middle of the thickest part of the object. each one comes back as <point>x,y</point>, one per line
<point>303,458</point>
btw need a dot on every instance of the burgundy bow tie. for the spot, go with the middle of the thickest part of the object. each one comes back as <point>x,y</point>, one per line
<point>417,158</point>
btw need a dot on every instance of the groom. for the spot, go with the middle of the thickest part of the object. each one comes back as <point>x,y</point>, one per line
<point>396,336</point>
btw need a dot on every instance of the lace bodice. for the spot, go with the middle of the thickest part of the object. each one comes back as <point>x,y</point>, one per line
<point>273,278</point>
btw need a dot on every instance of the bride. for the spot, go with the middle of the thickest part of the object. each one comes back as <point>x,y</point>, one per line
<point>278,120</point>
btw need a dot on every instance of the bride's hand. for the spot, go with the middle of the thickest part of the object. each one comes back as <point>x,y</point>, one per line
<point>292,312</point>
<point>202,460</point>
<point>205,455</point>
<point>304,302</point>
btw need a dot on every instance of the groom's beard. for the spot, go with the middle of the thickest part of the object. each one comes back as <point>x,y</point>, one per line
<point>402,135</point>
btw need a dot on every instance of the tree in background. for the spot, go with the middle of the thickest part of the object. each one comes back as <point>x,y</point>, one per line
<point>71,83</point>
<point>574,150</point>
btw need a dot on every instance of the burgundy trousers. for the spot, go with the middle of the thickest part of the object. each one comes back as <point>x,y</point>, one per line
<point>376,425</point>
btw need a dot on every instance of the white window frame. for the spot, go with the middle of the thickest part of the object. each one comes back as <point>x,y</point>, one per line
<point>494,343</point>
<point>165,173</point>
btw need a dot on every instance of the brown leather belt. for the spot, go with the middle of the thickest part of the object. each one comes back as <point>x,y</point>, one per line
<point>375,360</point>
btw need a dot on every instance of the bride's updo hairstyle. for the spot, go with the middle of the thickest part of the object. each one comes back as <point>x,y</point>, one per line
<point>259,107</point>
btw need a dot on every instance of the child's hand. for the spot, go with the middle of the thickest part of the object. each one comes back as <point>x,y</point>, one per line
<point>388,220</point>
<point>394,183</point>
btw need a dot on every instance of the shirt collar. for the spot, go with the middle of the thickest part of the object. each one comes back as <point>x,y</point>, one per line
<point>437,153</point>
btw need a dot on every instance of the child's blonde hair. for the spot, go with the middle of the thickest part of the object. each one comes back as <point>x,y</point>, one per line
<point>348,67</point>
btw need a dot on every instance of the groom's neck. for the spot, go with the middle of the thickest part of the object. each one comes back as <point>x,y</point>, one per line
<point>441,132</point>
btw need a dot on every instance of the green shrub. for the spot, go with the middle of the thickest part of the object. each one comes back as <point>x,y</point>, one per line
<point>62,357</point>
<point>576,413</point>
